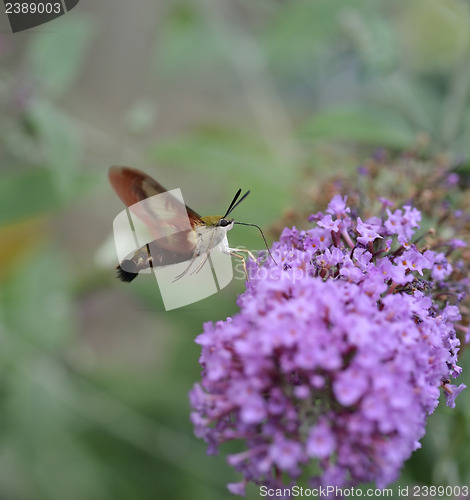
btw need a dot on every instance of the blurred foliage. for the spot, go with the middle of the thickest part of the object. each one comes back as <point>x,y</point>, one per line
<point>270,96</point>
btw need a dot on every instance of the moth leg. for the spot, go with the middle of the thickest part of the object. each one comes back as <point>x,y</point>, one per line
<point>207,254</point>
<point>253,258</point>
<point>200,266</point>
<point>191,262</point>
<point>238,256</point>
<point>233,253</point>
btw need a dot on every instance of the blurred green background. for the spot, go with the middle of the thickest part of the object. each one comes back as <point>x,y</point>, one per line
<point>208,96</point>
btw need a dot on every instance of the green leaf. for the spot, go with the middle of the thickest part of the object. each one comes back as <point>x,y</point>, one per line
<point>60,143</point>
<point>416,101</point>
<point>34,192</point>
<point>26,194</point>
<point>56,56</point>
<point>303,32</point>
<point>372,39</point>
<point>367,126</point>
<point>214,148</point>
<point>430,35</point>
<point>462,144</point>
<point>185,41</point>
<point>225,160</point>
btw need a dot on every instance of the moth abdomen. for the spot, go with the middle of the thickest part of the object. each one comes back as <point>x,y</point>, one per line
<point>126,274</point>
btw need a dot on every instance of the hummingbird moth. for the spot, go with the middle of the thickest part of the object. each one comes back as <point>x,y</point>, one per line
<point>174,241</point>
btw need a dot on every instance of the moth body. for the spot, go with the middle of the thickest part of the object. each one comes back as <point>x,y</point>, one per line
<point>175,242</point>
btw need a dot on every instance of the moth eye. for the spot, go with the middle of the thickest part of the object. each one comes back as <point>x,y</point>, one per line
<point>224,222</point>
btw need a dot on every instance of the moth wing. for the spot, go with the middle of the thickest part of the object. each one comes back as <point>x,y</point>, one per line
<point>165,216</point>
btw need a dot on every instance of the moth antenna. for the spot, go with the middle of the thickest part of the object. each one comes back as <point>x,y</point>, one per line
<point>260,230</point>
<point>230,208</point>
<point>236,204</point>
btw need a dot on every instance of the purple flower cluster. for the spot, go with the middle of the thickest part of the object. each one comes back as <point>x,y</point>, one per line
<point>336,356</point>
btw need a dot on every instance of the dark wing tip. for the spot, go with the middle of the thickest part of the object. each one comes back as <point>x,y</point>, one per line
<point>126,276</point>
